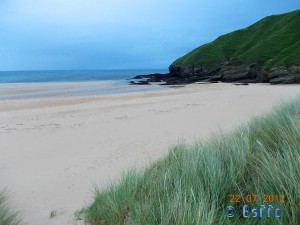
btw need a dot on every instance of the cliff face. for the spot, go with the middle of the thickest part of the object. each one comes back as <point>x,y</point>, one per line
<point>267,51</point>
<point>244,73</point>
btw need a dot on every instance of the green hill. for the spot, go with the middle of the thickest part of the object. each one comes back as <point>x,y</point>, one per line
<point>273,41</point>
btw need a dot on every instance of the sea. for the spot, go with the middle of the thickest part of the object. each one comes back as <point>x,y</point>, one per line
<point>16,85</point>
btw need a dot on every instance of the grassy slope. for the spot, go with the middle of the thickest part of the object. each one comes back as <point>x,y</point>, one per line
<point>274,40</point>
<point>191,185</point>
<point>7,217</point>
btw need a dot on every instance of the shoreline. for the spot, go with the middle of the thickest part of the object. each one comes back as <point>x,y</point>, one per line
<point>23,91</point>
<point>53,151</point>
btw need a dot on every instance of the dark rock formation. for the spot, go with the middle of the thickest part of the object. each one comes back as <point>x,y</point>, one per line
<point>228,60</point>
<point>227,72</point>
<point>294,69</point>
<point>240,84</point>
<point>278,72</point>
<point>239,73</point>
<point>140,82</point>
<point>286,80</point>
<point>149,78</point>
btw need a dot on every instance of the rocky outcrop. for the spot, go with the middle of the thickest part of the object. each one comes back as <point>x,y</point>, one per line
<point>247,73</point>
<point>232,60</point>
<point>286,80</point>
<point>243,73</point>
<point>227,72</point>
<point>284,75</point>
<point>278,72</point>
<point>294,69</point>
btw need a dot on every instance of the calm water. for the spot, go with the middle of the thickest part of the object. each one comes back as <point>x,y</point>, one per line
<point>70,76</point>
<point>57,84</point>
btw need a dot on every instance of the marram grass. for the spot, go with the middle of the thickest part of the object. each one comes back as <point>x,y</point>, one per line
<point>193,184</point>
<point>7,216</point>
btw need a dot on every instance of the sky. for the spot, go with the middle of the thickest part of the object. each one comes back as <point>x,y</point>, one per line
<point>118,34</point>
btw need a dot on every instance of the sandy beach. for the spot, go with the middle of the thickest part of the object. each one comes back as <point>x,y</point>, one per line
<point>54,150</point>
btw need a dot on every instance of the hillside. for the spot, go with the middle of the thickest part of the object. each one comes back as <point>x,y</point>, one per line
<point>267,51</point>
<point>273,41</point>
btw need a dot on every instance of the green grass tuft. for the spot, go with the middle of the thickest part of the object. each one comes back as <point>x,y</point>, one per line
<point>53,213</point>
<point>192,185</point>
<point>7,216</point>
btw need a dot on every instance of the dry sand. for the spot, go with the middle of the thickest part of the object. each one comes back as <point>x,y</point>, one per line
<point>54,150</point>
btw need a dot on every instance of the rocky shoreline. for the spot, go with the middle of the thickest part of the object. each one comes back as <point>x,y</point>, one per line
<point>242,74</point>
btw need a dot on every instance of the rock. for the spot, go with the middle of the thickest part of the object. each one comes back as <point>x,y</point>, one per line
<point>151,76</point>
<point>226,72</point>
<point>217,77</point>
<point>175,81</point>
<point>294,69</point>
<point>146,79</point>
<point>236,73</point>
<point>277,72</point>
<point>240,84</point>
<point>249,81</point>
<point>141,82</point>
<point>187,71</point>
<point>175,70</point>
<point>286,80</point>
<point>137,77</point>
<point>262,76</point>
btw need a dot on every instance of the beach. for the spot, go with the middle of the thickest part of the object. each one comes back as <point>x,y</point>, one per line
<point>54,150</point>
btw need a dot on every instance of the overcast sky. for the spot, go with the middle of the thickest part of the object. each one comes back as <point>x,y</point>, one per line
<point>118,34</point>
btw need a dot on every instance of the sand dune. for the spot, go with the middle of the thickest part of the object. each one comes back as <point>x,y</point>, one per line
<point>54,150</point>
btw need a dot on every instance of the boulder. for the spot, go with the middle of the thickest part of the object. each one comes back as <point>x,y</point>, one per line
<point>286,80</point>
<point>294,69</point>
<point>237,73</point>
<point>140,82</point>
<point>137,77</point>
<point>217,77</point>
<point>240,84</point>
<point>262,76</point>
<point>175,70</point>
<point>278,72</point>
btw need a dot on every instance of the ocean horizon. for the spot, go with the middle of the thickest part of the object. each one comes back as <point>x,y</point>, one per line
<point>57,76</point>
<point>17,85</point>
